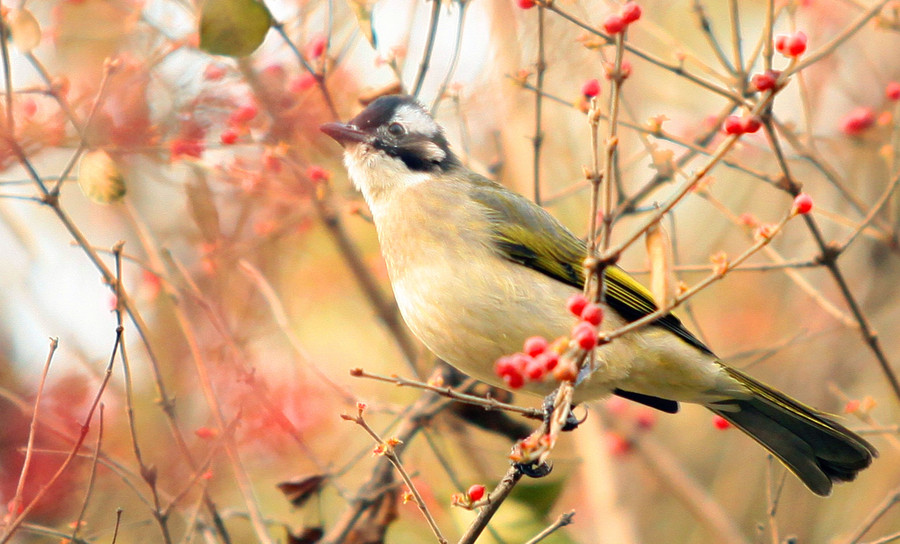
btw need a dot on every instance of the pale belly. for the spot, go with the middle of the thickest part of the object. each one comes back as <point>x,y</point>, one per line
<point>470,321</point>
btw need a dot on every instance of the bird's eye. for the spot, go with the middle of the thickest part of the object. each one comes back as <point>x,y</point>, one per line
<point>396,129</point>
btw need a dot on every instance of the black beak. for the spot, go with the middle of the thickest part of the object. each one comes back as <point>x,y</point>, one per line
<point>344,133</point>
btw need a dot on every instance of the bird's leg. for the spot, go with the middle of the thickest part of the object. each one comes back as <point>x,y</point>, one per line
<point>571,423</point>
<point>539,469</point>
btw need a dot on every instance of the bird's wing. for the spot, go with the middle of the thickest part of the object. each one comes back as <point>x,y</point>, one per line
<point>560,254</point>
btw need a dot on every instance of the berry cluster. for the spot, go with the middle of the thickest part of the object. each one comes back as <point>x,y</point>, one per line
<point>618,22</point>
<point>791,45</point>
<point>591,315</point>
<point>539,357</point>
<point>535,361</point>
<point>238,121</point>
<point>747,124</point>
<point>765,81</point>
<point>857,121</point>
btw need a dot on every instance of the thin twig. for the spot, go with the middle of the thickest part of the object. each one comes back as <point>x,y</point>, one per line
<point>538,138</point>
<point>373,491</point>
<point>454,59</point>
<point>445,391</point>
<point>889,501</point>
<point>561,521</point>
<point>429,47</point>
<point>281,320</point>
<point>386,448</point>
<point>830,260</point>
<point>706,27</point>
<point>85,427</point>
<point>90,485</point>
<point>16,503</point>
<point>494,500</point>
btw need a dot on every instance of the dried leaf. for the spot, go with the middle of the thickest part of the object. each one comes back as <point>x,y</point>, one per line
<point>234,28</point>
<point>99,178</point>
<point>202,205</point>
<point>659,252</point>
<point>300,490</point>
<point>25,30</point>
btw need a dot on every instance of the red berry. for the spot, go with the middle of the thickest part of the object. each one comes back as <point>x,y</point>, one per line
<point>631,12</point>
<point>475,493</point>
<point>614,24</point>
<point>214,72</point>
<point>892,91</point>
<point>803,204</point>
<point>504,365</point>
<point>645,419</point>
<point>243,115</point>
<point>591,88</point>
<point>751,124</point>
<point>791,45</point>
<point>318,174</point>
<point>576,304</point>
<point>549,359</point>
<point>857,121</point>
<point>525,4</point>
<point>535,345</point>
<point>535,370</point>
<point>733,125</point>
<point>205,433</point>
<point>316,47</point>
<point>514,380</point>
<point>229,136</point>
<point>720,422</point>
<point>585,335</point>
<point>781,42</point>
<point>618,444</point>
<point>765,81</point>
<point>29,107</point>
<point>593,314</point>
<point>188,148</point>
<point>302,83</point>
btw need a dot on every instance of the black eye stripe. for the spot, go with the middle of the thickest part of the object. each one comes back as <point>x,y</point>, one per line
<point>419,157</point>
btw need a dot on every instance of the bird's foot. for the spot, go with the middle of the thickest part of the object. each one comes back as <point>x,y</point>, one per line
<point>534,469</point>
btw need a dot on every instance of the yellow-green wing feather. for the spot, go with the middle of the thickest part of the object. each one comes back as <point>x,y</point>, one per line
<point>559,254</point>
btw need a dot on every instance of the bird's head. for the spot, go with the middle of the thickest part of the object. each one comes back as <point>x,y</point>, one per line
<point>391,144</point>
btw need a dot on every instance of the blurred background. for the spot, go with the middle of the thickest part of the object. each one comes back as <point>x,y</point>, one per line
<point>251,280</point>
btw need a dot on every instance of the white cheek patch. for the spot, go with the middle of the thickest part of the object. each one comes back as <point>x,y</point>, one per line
<point>416,120</point>
<point>432,151</point>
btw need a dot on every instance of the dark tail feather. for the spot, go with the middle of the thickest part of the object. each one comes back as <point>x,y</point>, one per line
<point>815,448</point>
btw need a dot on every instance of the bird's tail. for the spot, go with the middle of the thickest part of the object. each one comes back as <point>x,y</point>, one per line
<point>817,449</point>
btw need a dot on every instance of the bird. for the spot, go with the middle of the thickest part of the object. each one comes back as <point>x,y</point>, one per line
<point>476,269</point>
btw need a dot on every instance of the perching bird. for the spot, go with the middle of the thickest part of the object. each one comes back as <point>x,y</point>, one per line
<point>477,269</point>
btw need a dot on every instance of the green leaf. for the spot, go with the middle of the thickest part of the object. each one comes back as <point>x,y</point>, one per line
<point>234,28</point>
<point>99,178</point>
